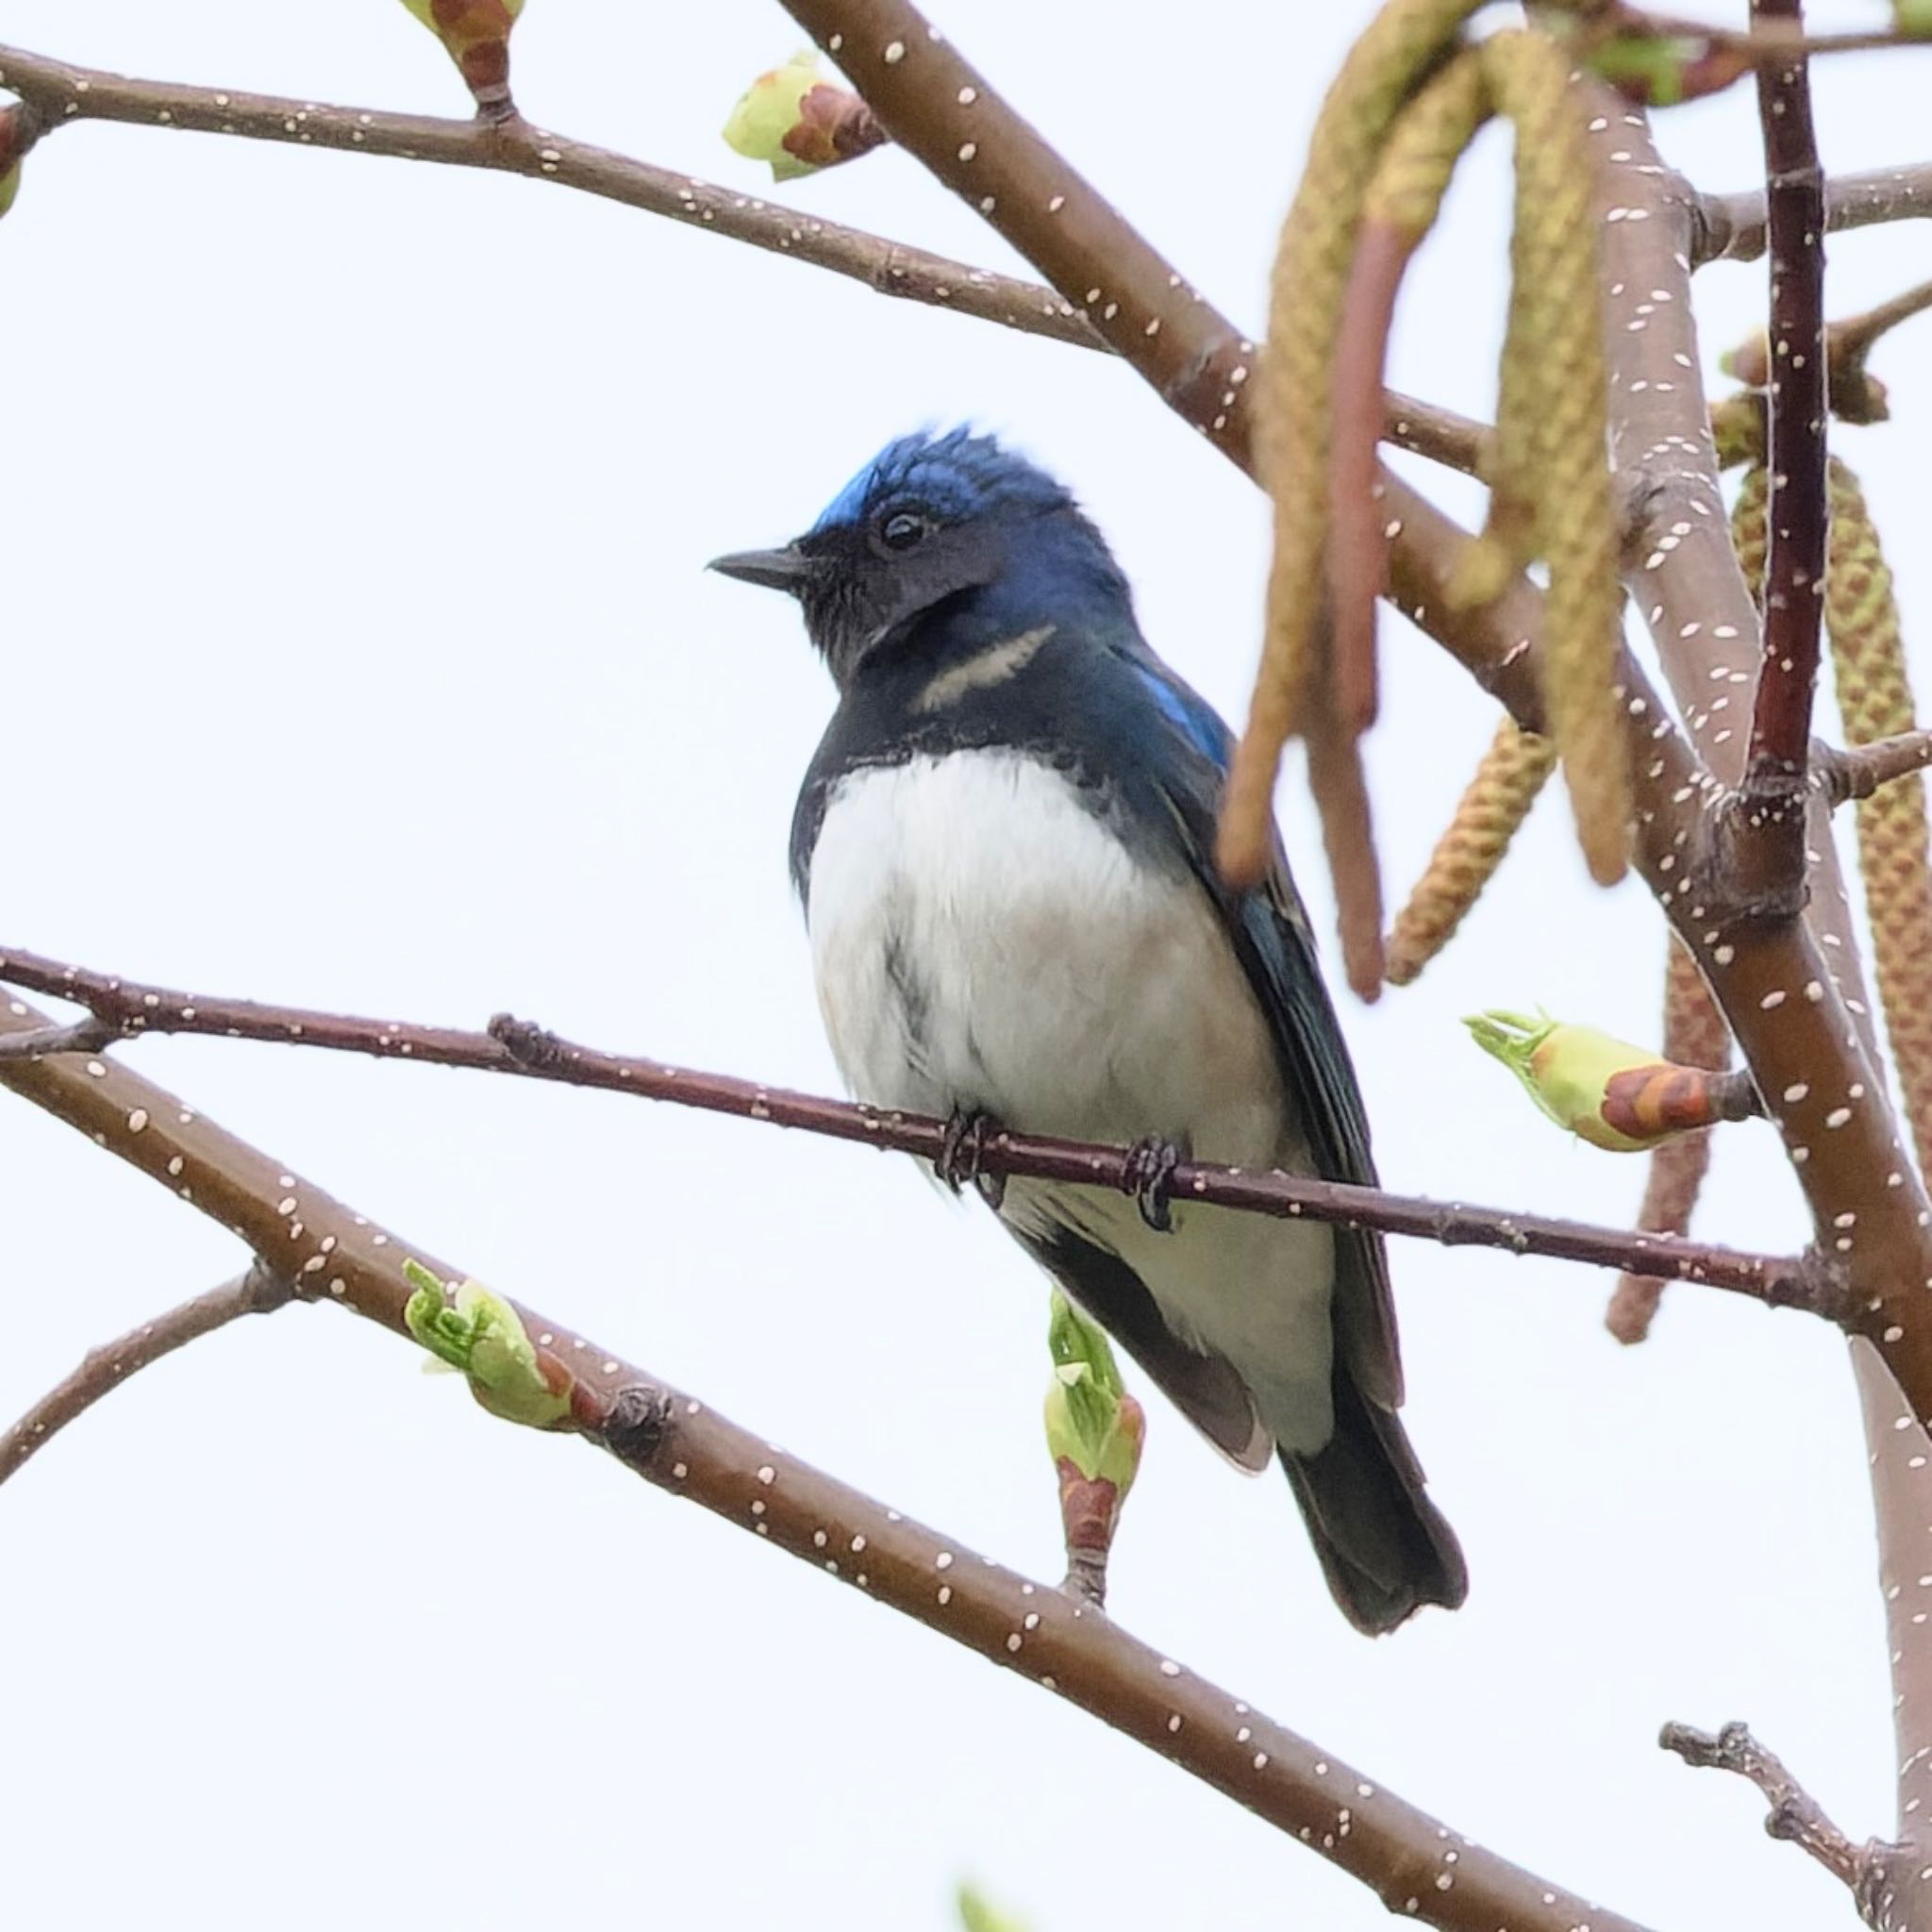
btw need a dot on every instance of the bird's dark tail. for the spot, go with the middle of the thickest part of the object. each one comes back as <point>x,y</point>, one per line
<point>1384,1546</point>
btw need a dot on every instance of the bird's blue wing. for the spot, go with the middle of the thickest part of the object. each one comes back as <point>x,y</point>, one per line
<point>1187,768</point>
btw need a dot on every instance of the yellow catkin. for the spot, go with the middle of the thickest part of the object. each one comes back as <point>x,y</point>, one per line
<point>1554,372</point>
<point>1694,1035</point>
<point>1750,534</point>
<point>1875,699</point>
<point>1292,441</point>
<point>1496,802</point>
<point>1737,428</point>
<point>1429,138</point>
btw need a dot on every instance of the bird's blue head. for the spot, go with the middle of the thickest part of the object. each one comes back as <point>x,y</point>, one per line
<point>931,524</point>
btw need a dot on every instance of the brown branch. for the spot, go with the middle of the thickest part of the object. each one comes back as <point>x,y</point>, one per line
<point>1795,1815</point>
<point>1795,1002</point>
<point>1768,814</point>
<point>84,1036</point>
<point>258,1291</point>
<point>1732,227</point>
<point>514,1047</point>
<point>944,112</point>
<point>59,93</point>
<point>1415,1865</point>
<point>1777,984</point>
<point>1427,429</point>
<point>1768,40</point>
<point>1855,771</point>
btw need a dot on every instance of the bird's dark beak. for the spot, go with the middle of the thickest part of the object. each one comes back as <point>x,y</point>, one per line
<point>789,569</point>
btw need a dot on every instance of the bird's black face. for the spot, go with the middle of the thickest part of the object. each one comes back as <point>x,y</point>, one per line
<point>861,579</point>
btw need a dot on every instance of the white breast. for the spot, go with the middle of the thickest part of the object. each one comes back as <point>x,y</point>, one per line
<point>980,938</point>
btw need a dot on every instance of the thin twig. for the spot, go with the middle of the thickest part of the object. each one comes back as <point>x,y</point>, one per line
<point>514,1047</point>
<point>60,93</point>
<point>1795,1815</point>
<point>1771,804</point>
<point>1731,228</point>
<point>1850,772</point>
<point>84,1036</point>
<point>1768,40</point>
<point>258,1291</point>
<point>681,1446</point>
<point>1427,429</point>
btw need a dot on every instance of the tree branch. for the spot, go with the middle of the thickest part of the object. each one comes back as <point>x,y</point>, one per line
<point>1768,814</point>
<point>57,93</point>
<point>1790,987</point>
<point>84,1036</point>
<point>258,1291</point>
<point>1732,227</point>
<point>1797,1816</point>
<point>1854,771</point>
<point>1415,1865</point>
<point>515,1047</point>
<point>1774,36</point>
<point>1777,984</point>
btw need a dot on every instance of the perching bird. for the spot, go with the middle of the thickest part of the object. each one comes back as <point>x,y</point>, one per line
<point>1005,850</point>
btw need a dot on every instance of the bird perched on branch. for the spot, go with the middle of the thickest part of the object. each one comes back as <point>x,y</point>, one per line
<point>1005,850</point>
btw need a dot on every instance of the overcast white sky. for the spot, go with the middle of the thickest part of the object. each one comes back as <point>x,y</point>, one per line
<point>353,544</point>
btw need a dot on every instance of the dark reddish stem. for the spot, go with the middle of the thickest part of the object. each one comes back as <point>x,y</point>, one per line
<point>1794,578</point>
<point>513,1047</point>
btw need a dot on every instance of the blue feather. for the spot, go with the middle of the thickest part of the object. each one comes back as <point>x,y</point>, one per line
<point>956,474</point>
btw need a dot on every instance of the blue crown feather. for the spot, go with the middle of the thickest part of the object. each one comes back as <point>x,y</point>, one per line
<point>956,475</point>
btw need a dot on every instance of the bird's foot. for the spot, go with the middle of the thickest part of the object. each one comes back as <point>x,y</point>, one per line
<point>963,1150</point>
<point>1149,1175</point>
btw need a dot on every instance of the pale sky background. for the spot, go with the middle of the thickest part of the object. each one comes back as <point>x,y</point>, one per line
<point>353,536</point>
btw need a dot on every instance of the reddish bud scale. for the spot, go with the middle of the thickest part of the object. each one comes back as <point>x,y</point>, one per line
<point>833,125</point>
<point>1089,1509</point>
<point>485,67</point>
<point>1645,1102</point>
<point>477,33</point>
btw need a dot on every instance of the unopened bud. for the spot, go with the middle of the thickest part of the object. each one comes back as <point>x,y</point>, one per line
<point>797,123</point>
<point>1614,1095</point>
<point>1094,1432</point>
<point>477,33</point>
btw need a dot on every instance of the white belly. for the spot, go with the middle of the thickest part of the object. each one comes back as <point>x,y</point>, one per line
<point>980,939</point>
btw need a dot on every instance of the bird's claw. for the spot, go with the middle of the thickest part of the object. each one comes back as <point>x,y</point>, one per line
<point>1148,1178</point>
<point>962,1150</point>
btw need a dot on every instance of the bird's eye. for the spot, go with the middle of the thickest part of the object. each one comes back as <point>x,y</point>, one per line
<point>903,529</point>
